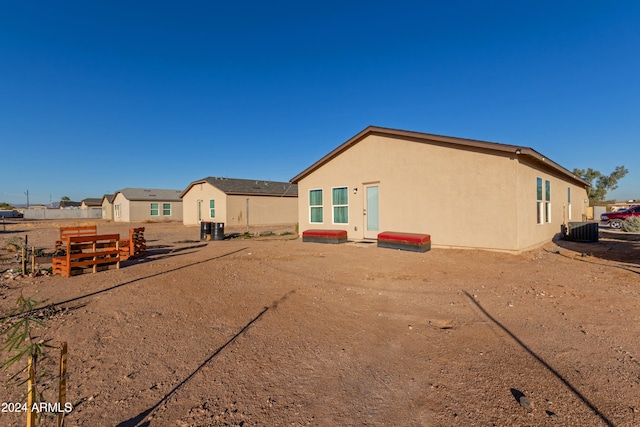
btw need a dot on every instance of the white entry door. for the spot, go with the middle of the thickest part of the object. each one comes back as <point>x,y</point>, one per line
<point>371,214</point>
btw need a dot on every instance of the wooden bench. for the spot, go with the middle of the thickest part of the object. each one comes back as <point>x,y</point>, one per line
<point>82,230</point>
<point>134,246</point>
<point>405,241</point>
<point>324,236</point>
<point>84,252</point>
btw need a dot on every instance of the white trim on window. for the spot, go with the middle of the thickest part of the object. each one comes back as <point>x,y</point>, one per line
<point>166,207</point>
<point>539,201</point>
<point>340,205</point>
<point>547,201</point>
<point>318,208</point>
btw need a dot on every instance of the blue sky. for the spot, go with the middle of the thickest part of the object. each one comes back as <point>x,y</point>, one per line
<point>102,95</point>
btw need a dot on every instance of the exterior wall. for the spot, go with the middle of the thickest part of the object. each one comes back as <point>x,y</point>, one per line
<point>107,210</point>
<point>531,233</point>
<point>83,205</point>
<point>461,197</point>
<point>140,210</point>
<point>598,210</point>
<point>62,214</point>
<point>232,210</point>
<point>121,208</point>
<point>204,192</point>
<point>263,210</point>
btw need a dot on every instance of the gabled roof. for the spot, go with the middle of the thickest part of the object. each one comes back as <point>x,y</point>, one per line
<point>108,197</point>
<point>461,143</point>
<point>92,202</point>
<point>248,187</point>
<point>147,194</point>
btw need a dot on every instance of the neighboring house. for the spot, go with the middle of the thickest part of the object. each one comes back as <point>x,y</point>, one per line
<point>618,206</point>
<point>236,202</point>
<point>68,204</point>
<point>91,203</point>
<point>143,204</point>
<point>464,193</point>
<point>107,207</point>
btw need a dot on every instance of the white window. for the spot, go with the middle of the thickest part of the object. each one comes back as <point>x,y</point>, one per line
<point>547,201</point>
<point>116,210</point>
<point>212,208</point>
<point>315,206</point>
<point>340,204</point>
<point>166,209</point>
<point>539,202</point>
<point>154,209</point>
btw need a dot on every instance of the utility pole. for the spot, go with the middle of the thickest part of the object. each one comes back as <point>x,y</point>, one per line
<point>27,193</point>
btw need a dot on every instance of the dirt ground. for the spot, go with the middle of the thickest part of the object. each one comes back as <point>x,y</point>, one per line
<point>270,331</point>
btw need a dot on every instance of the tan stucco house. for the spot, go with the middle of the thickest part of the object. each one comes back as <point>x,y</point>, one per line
<point>107,207</point>
<point>91,203</point>
<point>464,193</point>
<point>143,204</point>
<point>240,202</point>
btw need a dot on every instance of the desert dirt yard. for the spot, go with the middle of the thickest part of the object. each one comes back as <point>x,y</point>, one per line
<point>270,331</point>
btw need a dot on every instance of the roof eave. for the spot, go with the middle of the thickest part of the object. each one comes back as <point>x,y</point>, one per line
<point>494,146</point>
<point>244,193</point>
<point>553,165</point>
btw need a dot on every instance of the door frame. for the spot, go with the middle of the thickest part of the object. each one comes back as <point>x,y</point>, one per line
<point>366,233</point>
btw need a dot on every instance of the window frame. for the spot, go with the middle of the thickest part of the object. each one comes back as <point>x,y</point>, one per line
<point>569,203</point>
<point>547,201</point>
<point>212,208</point>
<point>539,201</point>
<point>166,207</point>
<point>334,205</point>
<point>320,206</point>
<point>151,209</point>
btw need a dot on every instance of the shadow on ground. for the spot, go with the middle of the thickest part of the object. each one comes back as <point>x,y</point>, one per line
<point>517,394</point>
<point>617,246</point>
<point>140,419</point>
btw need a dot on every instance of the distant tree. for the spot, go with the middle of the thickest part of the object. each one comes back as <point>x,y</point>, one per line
<point>5,206</point>
<point>601,184</point>
<point>65,199</point>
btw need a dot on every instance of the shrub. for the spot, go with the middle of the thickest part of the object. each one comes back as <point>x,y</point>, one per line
<point>632,224</point>
<point>19,343</point>
<point>14,244</point>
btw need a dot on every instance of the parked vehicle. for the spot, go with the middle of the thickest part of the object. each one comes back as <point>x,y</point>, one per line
<point>614,219</point>
<point>11,213</point>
